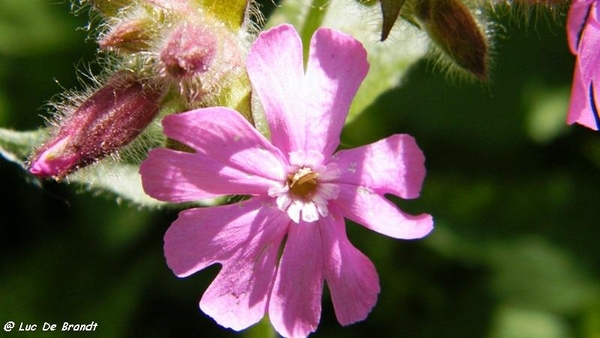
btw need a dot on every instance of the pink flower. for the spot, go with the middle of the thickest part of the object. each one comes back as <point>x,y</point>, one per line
<point>583,29</point>
<point>279,246</point>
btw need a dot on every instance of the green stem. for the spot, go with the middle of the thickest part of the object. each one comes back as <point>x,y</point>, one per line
<point>262,329</point>
<point>313,21</point>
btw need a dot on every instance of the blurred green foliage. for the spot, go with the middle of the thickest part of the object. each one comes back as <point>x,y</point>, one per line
<point>514,193</point>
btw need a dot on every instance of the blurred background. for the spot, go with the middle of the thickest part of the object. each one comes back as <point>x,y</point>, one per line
<point>515,194</point>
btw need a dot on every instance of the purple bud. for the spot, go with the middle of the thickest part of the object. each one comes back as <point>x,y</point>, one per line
<point>190,49</point>
<point>108,120</point>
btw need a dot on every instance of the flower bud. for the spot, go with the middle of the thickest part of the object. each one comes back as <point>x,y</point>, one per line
<point>189,50</point>
<point>202,59</point>
<point>128,37</point>
<point>455,31</point>
<point>105,122</point>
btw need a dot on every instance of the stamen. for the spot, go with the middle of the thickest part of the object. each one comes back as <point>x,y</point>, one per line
<point>303,183</point>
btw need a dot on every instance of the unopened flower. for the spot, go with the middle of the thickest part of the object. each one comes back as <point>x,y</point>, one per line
<point>583,29</point>
<point>457,33</point>
<point>105,122</point>
<point>200,58</point>
<point>279,246</point>
<point>127,37</point>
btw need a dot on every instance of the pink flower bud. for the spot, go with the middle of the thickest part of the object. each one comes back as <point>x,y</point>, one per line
<point>190,49</point>
<point>201,58</point>
<point>108,120</point>
<point>128,37</point>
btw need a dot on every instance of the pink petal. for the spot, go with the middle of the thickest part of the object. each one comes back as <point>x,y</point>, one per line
<point>201,237</point>
<point>350,275</point>
<point>232,158</point>
<point>583,108</point>
<point>276,70</point>
<point>578,100</point>
<point>375,212</point>
<point>589,44</point>
<point>306,112</point>
<point>336,67</point>
<point>223,134</point>
<point>582,105</point>
<point>245,239</point>
<point>393,165</point>
<point>295,305</point>
<point>238,297</point>
<point>176,176</point>
<point>576,20</point>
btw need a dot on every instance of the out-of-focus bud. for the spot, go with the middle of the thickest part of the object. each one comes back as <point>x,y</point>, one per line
<point>105,122</point>
<point>128,37</point>
<point>455,31</point>
<point>204,61</point>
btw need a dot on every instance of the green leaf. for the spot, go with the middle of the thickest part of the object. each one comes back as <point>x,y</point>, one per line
<point>16,146</point>
<point>389,60</point>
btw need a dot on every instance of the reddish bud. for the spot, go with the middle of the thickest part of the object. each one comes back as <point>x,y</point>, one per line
<point>455,31</point>
<point>108,120</point>
<point>190,49</point>
<point>128,37</point>
<point>202,59</point>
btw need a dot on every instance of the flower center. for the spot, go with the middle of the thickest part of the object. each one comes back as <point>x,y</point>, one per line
<point>303,183</point>
<point>308,187</point>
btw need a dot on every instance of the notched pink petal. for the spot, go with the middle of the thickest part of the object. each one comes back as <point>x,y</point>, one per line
<point>276,71</point>
<point>238,297</point>
<point>175,176</point>
<point>201,237</point>
<point>393,165</point>
<point>295,305</point>
<point>350,275</point>
<point>336,67</point>
<point>375,212</point>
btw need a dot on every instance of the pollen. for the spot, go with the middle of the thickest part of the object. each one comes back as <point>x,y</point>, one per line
<point>303,183</point>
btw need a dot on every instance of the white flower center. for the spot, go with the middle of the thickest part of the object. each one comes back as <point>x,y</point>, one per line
<point>308,188</point>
